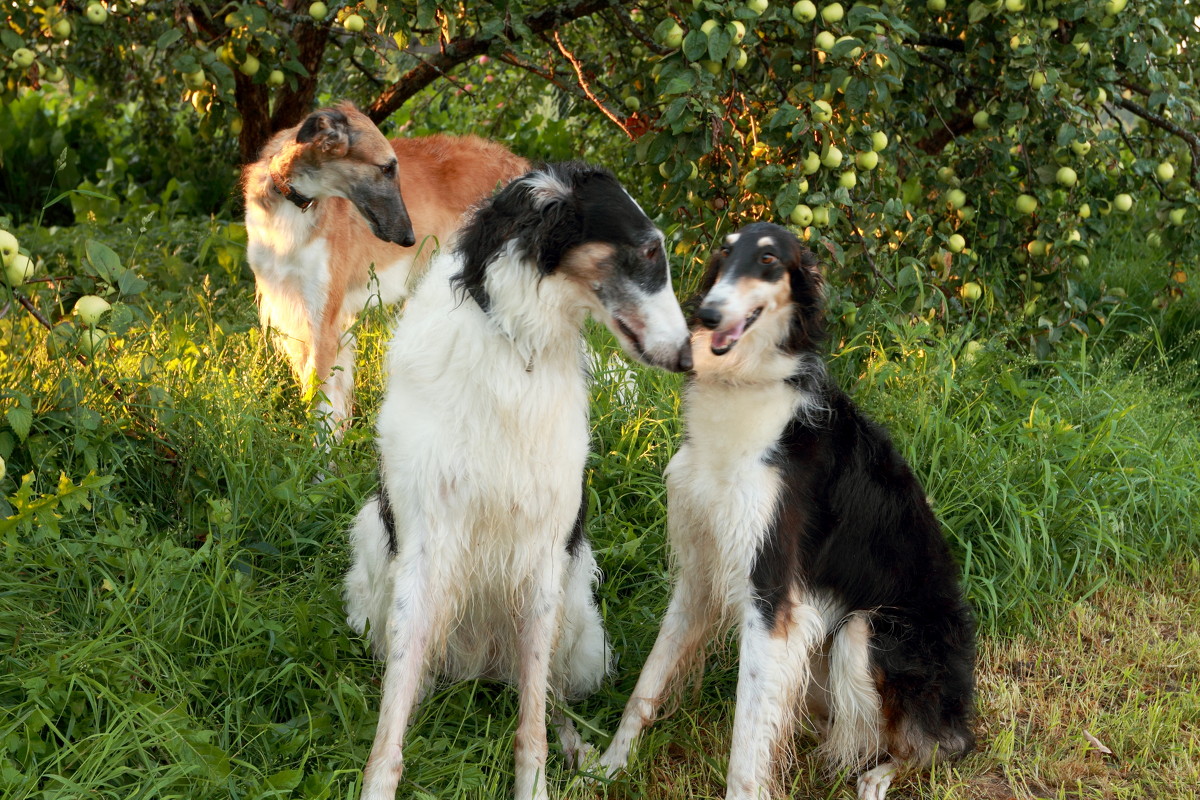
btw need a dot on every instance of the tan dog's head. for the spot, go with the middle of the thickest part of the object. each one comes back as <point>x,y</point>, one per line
<point>338,152</point>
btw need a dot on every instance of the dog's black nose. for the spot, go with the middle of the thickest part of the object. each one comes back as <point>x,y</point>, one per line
<point>709,317</point>
<point>685,357</point>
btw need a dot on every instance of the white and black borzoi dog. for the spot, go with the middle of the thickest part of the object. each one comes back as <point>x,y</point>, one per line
<point>792,514</point>
<point>472,559</point>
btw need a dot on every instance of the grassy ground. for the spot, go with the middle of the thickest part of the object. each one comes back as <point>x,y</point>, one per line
<point>179,632</point>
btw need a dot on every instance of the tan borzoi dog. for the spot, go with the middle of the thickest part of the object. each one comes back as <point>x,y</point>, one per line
<point>472,560</point>
<point>314,255</point>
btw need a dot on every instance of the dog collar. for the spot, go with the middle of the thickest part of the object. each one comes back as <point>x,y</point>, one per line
<point>286,189</point>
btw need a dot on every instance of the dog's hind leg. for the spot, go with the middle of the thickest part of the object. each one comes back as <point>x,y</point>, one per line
<point>773,675</point>
<point>687,623</point>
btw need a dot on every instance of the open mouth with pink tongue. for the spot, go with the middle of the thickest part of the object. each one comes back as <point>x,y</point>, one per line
<point>723,341</point>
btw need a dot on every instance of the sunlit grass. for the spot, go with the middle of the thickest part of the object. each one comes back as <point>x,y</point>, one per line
<point>183,635</point>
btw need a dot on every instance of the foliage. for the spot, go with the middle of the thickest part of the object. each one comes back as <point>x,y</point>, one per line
<point>980,151</point>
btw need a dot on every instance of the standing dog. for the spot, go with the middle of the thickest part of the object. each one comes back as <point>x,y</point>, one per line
<point>793,513</point>
<point>324,213</point>
<point>472,559</point>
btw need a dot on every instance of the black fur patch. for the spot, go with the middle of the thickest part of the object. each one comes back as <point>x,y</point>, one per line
<point>579,530</point>
<point>327,119</point>
<point>388,518</point>
<point>593,209</point>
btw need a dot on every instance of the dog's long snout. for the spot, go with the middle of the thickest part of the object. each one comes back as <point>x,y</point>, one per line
<point>685,356</point>
<point>709,316</point>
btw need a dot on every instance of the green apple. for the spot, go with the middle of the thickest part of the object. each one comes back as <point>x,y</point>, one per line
<point>824,41</point>
<point>1165,171</point>
<point>1176,215</point>
<point>802,186</point>
<point>1026,204</point>
<point>1154,239</point>
<point>956,243</point>
<point>966,213</point>
<point>980,119</point>
<point>708,26</point>
<point>23,57</point>
<point>276,78</point>
<point>1038,248</point>
<point>235,126</point>
<point>822,111</point>
<point>1098,96</point>
<point>96,14</point>
<point>250,66</point>
<point>353,23</point>
<point>665,170</point>
<point>19,269</point>
<point>970,291</point>
<point>1122,202</point>
<point>867,160</point>
<point>945,174</point>
<point>821,216</point>
<point>802,215</point>
<point>935,6</point>
<point>318,10</point>
<point>711,67</point>
<point>848,179</point>
<point>957,198</point>
<point>1037,80</point>
<point>879,141</point>
<point>91,341</point>
<point>833,158</point>
<point>1113,7</point>
<point>804,11</point>
<point>3,469</point>
<point>1014,6</point>
<point>194,80</point>
<point>1066,176</point>
<point>61,28</point>
<point>832,13</point>
<point>53,74</point>
<point>632,102</point>
<point>739,31</point>
<point>1081,260</point>
<point>90,308</point>
<point>738,58</point>
<point>811,163</point>
<point>852,54</point>
<point>1082,46</point>
<point>1085,211</point>
<point>8,247</point>
<point>757,6</point>
<point>1081,147</point>
<point>669,33</point>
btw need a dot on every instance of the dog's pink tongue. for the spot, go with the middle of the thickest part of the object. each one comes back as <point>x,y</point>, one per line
<point>726,338</point>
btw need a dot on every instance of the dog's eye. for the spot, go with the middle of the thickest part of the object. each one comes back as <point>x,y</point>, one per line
<point>767,258</point>
<point>388,170</point>
<point>651,252</point>
<point>724,251</point>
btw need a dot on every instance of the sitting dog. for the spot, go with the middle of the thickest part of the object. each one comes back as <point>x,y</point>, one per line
<point>793,514</point>
<point>324,216</point>
<point>472,560</point>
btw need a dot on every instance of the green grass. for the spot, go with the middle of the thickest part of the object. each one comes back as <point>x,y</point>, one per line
<point>180,633</point>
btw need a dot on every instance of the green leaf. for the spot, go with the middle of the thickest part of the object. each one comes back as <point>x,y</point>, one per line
<point>11,40</point>
<point>695,45</point>
<point>20,419</point>
<point>719,42</point>
<point>129,283</point>
<point>977,11</point>
<point>103,259</point>
<point>681,83</point>
<point>170,37</point>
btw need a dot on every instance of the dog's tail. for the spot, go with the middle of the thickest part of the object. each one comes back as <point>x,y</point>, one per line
<point>582,657</point>
<point>368,588</point>
<point>855,706</point>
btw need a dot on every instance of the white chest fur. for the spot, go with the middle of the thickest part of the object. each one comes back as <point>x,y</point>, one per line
<point>722,492</point>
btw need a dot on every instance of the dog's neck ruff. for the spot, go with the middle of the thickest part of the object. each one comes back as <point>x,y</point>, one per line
<point>284,187</point>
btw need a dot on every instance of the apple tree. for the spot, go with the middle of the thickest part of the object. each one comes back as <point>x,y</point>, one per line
<point>970,155</point>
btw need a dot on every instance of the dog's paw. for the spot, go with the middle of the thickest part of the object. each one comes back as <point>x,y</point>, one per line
<point>599,769</point>
<point>579,755</point>
<point>873,784</point>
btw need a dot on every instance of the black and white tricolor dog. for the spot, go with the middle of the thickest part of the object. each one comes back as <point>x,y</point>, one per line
<point>792,514</point>
<point>472,561</point>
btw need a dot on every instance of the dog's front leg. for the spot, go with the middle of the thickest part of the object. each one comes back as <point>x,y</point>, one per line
<point>413,619</point>
<point>681,638</point>
<point>773,674</point>
<point>540,614</point>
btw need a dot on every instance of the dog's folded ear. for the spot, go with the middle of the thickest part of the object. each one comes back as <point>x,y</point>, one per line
<point>328,131</point>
